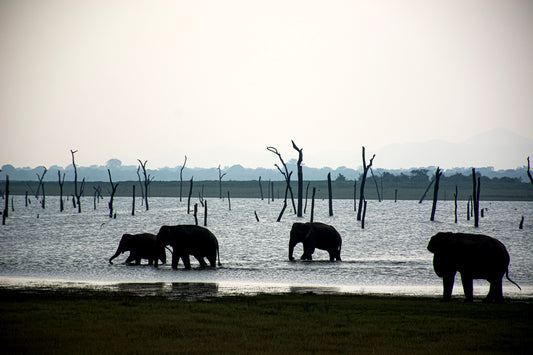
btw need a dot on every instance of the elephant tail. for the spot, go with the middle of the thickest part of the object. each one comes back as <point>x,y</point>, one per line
<point>507,275</point>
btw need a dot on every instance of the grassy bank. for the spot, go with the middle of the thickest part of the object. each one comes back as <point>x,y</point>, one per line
<point>402,189</point>
<point>77,321</point>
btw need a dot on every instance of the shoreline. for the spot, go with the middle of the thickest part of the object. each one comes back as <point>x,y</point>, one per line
<point>192,291</point>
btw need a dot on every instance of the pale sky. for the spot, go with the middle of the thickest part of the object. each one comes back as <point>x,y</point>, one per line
<point>219,81</point>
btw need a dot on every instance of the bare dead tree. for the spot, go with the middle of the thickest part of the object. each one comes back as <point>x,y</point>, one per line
<point>438,174</point>
<point>189,198</point>
<point>475,197</point>
<point>77,193</point>
<point>362,187</point>
<point>147,180</point>
<point>181,175</point>
<point>285,174</point>
<point>111,194</point>
<point>220,176</point>
<point>6,202</point>
<point>300,177</point>
<point>330,196</point>
<point>426,191</point>
<point>41,187</point>
<point>528,171</point>
<point>261,189</point>
<point>312,205</point>
<point>306,194</point>
<point>97,195</point>
<point>140,184</point>
<point>285,200</point>
<point>133,201</point>
<point>61,182</point>
<point>375,182</point>
<point>455,202</point>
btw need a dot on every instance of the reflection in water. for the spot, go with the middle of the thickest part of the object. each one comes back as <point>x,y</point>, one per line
<point>314,289</point>
<point>179,290</point>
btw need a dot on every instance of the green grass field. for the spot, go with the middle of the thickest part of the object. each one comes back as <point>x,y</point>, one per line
<point>80,321</point>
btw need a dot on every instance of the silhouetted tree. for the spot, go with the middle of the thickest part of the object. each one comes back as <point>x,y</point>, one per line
<point>140,184</point>
<point>475,197</point>
<point>375,182</point>
<point>528,171</point>
<point>300,178</point>
<point>362,187</point>
<point>189,198</point>
<point>41,187</point>
<point>330,196</point>
<point>220,176</point>
<point>111,194</point>
<point>438,174</point>
<point>181,175</point>
<point>61,182</point>
<point>6,202</point>
<point>77,193</point>
<point>285,174</point>
<point>147,180</point>
<point>426,191</point>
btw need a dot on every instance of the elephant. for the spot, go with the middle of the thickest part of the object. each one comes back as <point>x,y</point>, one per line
<point>140,246</point>
<point>315,235</point>
<point>188,240</point>
<point>475,256</point>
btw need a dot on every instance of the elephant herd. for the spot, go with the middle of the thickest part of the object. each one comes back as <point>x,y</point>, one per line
<point>474,256</point>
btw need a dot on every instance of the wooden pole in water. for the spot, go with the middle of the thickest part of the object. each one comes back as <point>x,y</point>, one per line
<point>189,199</point>
<point>229,201</point>
<point>438,173</point>
<point>455,198</point>
<point>196,214</point>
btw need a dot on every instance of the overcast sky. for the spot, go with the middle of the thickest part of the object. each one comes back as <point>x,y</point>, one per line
<point>219,81</point>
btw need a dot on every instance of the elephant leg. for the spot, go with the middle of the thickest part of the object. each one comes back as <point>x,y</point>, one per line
<point>130,258</point>
<point>332,254</point>
<point>201,260</point>
<point>447,282</point>
<point>495,291</point>
<point>468,287</point>
<point>186,261</point>
<point>175,260</point>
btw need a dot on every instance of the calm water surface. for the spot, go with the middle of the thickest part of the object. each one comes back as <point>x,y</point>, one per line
<point>46,247</point>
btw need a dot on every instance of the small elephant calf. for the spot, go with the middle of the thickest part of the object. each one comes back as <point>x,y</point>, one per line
<point>140,246</point>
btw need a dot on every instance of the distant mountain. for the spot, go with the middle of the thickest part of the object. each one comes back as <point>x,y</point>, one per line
<point>497,147</point>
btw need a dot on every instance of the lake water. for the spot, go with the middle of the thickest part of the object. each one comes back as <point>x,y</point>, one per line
<point>47,248</point>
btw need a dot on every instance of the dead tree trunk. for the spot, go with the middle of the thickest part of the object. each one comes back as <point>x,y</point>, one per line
<point>41,187</point>
<point>300,178</point>
<point>261,189</point>
<point>229,202</point>
<point>425,192</point>
<point>455,201</point>
<point>133,201</point>
<point>77,193</point>
<point>285,174</point>
<point>355,195</point>
<point>111,194</point>
<point>306,194</point>
<point>364,215</point>
<point>438,173</point>
<point>363,180</point>
<point>181,175</point>
<point>189,198</point>
<point>205,213</point>
<point>330,196</point>
<point>196,214</point>
<point>6,202</point>
<point>475,197</point>
<point>312,205</point>
<point>220,176</point>
<point>528,171</point>
<point>140,184</point>
<point>61,182</point>
<point>147,181</point>
<point>375,182</point>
